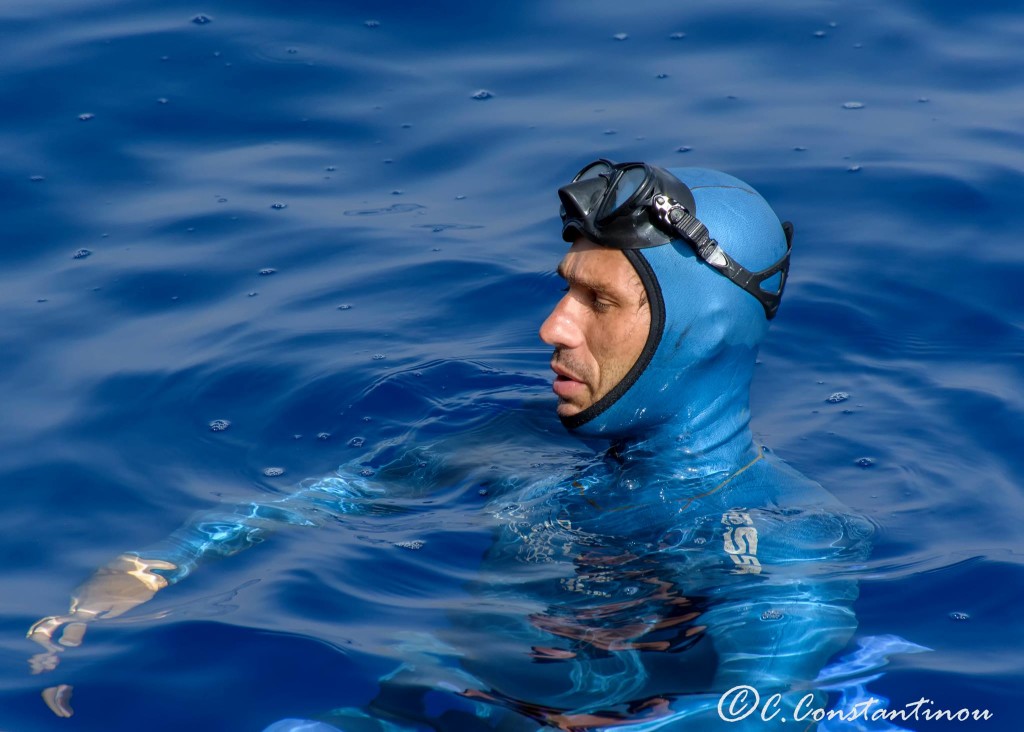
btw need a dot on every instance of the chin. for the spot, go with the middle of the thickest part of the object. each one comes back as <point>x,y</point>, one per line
<point>568,409</point>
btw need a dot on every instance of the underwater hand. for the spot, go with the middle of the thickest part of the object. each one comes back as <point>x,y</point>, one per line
<point>125,583</point>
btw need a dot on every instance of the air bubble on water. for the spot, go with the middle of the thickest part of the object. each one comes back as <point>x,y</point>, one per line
<point>683,149</point>
<point>678,36</point>
<point>86,116</point>
<point>273,472</point>
<point>322,436</point>
<point>853,169</point>
<point>162,100</point>
<point>279,206</point>
<point>482,94</point>
<point>853,105</point>
<point>372,23</point>
<point>620,36</point>
<point>36,178</point>
<point>201,20</point>
<point>414,544</point>
<point>81,254</point>
<point>219,425</point>
<point>958,616</point>
<point>357,442</point>
<point>865,462</point>
<point>771,615</point>
<point>267,271</point>
<point>839,396</point>
<point>346,306</point>
<point>379,356</point>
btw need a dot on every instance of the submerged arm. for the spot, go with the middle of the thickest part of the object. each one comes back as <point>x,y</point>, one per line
<point>135,577</point>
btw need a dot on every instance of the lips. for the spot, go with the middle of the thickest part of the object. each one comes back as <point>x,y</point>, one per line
<point>567,384</point>
<point>562,372</point>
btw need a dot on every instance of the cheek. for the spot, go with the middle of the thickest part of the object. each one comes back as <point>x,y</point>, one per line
<point>623,340</point>
<point>638,327</point>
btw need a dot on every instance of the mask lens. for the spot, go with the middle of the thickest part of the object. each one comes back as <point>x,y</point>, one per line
<point>627,185</point>
<point>593,170</point>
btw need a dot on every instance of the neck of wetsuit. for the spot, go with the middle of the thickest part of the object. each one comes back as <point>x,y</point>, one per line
<point>710,439</point>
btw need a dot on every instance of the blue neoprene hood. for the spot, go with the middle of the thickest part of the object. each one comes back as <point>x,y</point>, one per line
<point>696,366</point>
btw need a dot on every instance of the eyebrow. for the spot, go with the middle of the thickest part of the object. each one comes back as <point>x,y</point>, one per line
<point>573,278</point>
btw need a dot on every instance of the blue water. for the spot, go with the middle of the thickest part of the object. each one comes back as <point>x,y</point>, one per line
<point>334,226</point>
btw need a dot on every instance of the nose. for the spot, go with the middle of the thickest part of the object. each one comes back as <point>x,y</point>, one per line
<point>561,329</point>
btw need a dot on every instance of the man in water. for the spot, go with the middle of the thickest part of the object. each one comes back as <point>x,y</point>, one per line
<point>684,563</point>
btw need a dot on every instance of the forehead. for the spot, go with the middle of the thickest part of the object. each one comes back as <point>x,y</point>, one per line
<point>597,267</point>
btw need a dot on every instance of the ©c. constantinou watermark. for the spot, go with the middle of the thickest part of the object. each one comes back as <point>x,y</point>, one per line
<point>740,702</point>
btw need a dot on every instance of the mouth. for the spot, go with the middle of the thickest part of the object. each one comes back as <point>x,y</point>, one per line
<point>567,385</point>
<point>563,373</point>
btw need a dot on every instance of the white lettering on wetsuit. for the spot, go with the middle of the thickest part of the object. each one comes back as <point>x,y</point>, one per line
<point>740,542</point>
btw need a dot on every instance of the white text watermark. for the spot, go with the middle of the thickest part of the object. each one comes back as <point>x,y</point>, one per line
<point>741,702</point>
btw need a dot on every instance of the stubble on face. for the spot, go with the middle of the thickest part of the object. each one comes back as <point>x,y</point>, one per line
<point>598,329</point>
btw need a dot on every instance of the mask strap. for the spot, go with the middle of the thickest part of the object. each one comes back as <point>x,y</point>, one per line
<point>675,216</point>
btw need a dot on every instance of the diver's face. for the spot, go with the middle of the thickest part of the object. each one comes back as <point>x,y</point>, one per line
<point>598,329</point>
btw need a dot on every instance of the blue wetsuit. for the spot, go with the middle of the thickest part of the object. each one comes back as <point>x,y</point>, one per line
<point>634,593</point>
<point>612,591</point>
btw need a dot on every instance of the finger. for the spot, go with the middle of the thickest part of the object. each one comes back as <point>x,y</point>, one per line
<point>42,632</point>
<point>73,634</point>
<point>43,629</point>
<point>58,699</point>
<point>43,662</point>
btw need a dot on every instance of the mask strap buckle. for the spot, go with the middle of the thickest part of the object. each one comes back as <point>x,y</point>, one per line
<point>679,220</point>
